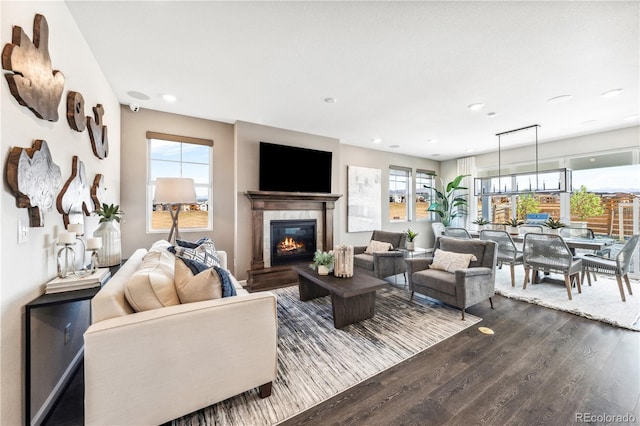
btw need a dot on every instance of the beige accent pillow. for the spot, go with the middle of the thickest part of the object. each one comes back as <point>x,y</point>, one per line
<point>151,286</point>
<point>450,261</point>
<point>378,246</point>
<point>195,288</point>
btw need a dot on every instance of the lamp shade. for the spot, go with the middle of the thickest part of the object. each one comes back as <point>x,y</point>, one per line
<point>174,191</point>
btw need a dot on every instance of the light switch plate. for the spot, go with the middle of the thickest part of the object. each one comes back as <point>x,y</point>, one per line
<point>23,232</point>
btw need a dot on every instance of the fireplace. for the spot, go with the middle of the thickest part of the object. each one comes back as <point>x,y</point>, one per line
<point>292,241</point>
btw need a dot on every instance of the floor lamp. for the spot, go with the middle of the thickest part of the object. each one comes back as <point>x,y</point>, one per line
<point>174,192</point>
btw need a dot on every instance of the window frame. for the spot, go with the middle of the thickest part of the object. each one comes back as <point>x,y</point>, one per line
<point>432,174</point>
<point>408,204</point>
<point>150,184</point>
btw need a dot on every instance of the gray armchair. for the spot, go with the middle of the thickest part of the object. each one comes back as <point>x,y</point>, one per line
<point>465,287</point>
<point>382,264</point>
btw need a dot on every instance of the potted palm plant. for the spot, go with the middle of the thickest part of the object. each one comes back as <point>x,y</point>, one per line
<point>411,236</point>
<point>481,222</point>
<point>322,261</point>
<point>450,202</point>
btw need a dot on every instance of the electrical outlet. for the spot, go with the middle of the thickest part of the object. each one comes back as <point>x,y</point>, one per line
<point>67,333</point>
<point>23,232</point>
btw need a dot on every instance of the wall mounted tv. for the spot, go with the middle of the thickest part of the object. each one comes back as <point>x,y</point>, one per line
<point>293,169</point>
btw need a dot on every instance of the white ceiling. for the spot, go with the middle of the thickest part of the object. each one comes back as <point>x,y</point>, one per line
<point>404,72</point>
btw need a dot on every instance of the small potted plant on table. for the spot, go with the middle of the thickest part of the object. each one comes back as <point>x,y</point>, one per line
<point>411,236</point>
<point>554,225</point>
<point>512,225</point>
<point>322,261</point>
<point>481,222</point>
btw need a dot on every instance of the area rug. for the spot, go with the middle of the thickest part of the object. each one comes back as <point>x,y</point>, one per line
<point>317,361</point>
<point>600,302</point>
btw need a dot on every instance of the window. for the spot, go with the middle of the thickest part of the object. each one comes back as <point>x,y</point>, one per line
<point>398,194</point>
<point>179,156</point>
<point>424,195</point>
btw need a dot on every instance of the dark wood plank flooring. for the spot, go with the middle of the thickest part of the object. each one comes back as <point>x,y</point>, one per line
<point>540,367</point>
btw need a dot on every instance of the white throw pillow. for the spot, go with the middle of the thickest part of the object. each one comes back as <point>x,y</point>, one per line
<point>152,286</point>
<point>450,261</point>
<point>377,246</point>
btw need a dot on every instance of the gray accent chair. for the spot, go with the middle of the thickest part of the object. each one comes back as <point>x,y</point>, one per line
<point>465,287</point>
<point>382,264</point>
<point>550,253</point>
<point>618,266</point>
<point>507,251</point>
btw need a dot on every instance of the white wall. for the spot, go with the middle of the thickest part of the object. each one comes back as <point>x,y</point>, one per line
<point>26,267</point>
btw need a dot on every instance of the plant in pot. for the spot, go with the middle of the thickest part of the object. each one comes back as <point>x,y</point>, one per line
<point>411,236</point>
<point>111,252</point>
<point>323,261</point>
<point>450,200</point>
<point>512,225</point>
<point>481,222</point>
<point>554,225</point>
<point>586,204</point>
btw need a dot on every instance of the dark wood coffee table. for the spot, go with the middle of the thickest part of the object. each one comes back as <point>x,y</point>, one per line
<point>352,299</point>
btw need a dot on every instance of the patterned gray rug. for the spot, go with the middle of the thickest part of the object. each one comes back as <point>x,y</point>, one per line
<point>316,361</point>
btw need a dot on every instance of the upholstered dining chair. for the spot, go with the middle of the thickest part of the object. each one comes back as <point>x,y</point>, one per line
<point>507,251</point>
<point>550,253</point>
<point>619,267</point>
<point>457,233</point>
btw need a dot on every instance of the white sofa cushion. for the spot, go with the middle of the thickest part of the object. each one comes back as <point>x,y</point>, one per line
<point>152,285</point>
<point>375,246</point>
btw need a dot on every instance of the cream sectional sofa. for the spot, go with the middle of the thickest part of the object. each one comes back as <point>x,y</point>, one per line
<point>147,368</point>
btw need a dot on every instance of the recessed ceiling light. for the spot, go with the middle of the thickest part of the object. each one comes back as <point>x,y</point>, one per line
<point>559,99</point>
<point>330,100</point>
<point>611,93</point>
<point>169,98</point>
<point>589,122</point>
<point>631,117</point>
<point>394,146</point>
<point>376,140</point>
<point>475,107</point>
<point>432,141</point>
<point>491,114</point>
<point>468,150</point>
<point>592,159</point>
<point>138,95</point>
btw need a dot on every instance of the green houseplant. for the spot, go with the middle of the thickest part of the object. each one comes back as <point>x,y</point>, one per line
<point>513,225</point>
<point>554,224</point>
<point>411,236</point>
<point>111,252</point>
<point>323,261</point>
<point>481,222</point>
<point>450,200</point>
<point>586,204</point>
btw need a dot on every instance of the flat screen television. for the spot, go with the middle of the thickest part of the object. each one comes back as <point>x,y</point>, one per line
<point>292,169</point>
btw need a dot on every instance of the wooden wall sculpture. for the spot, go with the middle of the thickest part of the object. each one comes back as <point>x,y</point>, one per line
<point>34,179</point>
<point>75,111</point>
<point>75,196</point>
<point>33,83</point>
<point>98,191</point>
<point>98,133</point>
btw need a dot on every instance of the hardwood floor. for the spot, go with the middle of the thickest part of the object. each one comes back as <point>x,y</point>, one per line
<point>540,367</point>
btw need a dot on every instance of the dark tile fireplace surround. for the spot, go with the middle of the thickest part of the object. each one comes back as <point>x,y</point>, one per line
<point>279,274</point>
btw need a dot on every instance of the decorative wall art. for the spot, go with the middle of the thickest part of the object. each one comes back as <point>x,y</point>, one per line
<point>98,191</point>
<point>364,205</point>
<point>75,196</point>
<point>75,111</point>
<point>33,82</point>
<point>34,179</point>
<point>98,133</point>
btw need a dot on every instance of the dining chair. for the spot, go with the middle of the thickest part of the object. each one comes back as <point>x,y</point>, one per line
<point>507,251</point>
<point>457,233</point>
<point>524,229</point>
<point>550,253</point>
<point>619,267</point>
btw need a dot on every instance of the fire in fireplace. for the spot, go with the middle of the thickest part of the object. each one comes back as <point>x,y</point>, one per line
<point>292,241</point>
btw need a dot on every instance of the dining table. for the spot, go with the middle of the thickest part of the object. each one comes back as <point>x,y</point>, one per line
<point>572,242</point>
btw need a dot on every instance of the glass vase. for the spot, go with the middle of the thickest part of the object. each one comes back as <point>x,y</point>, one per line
<point>111,252</point>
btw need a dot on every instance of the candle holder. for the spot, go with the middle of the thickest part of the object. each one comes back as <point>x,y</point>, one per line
<point>95,261</point>
<point>65,268</point>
